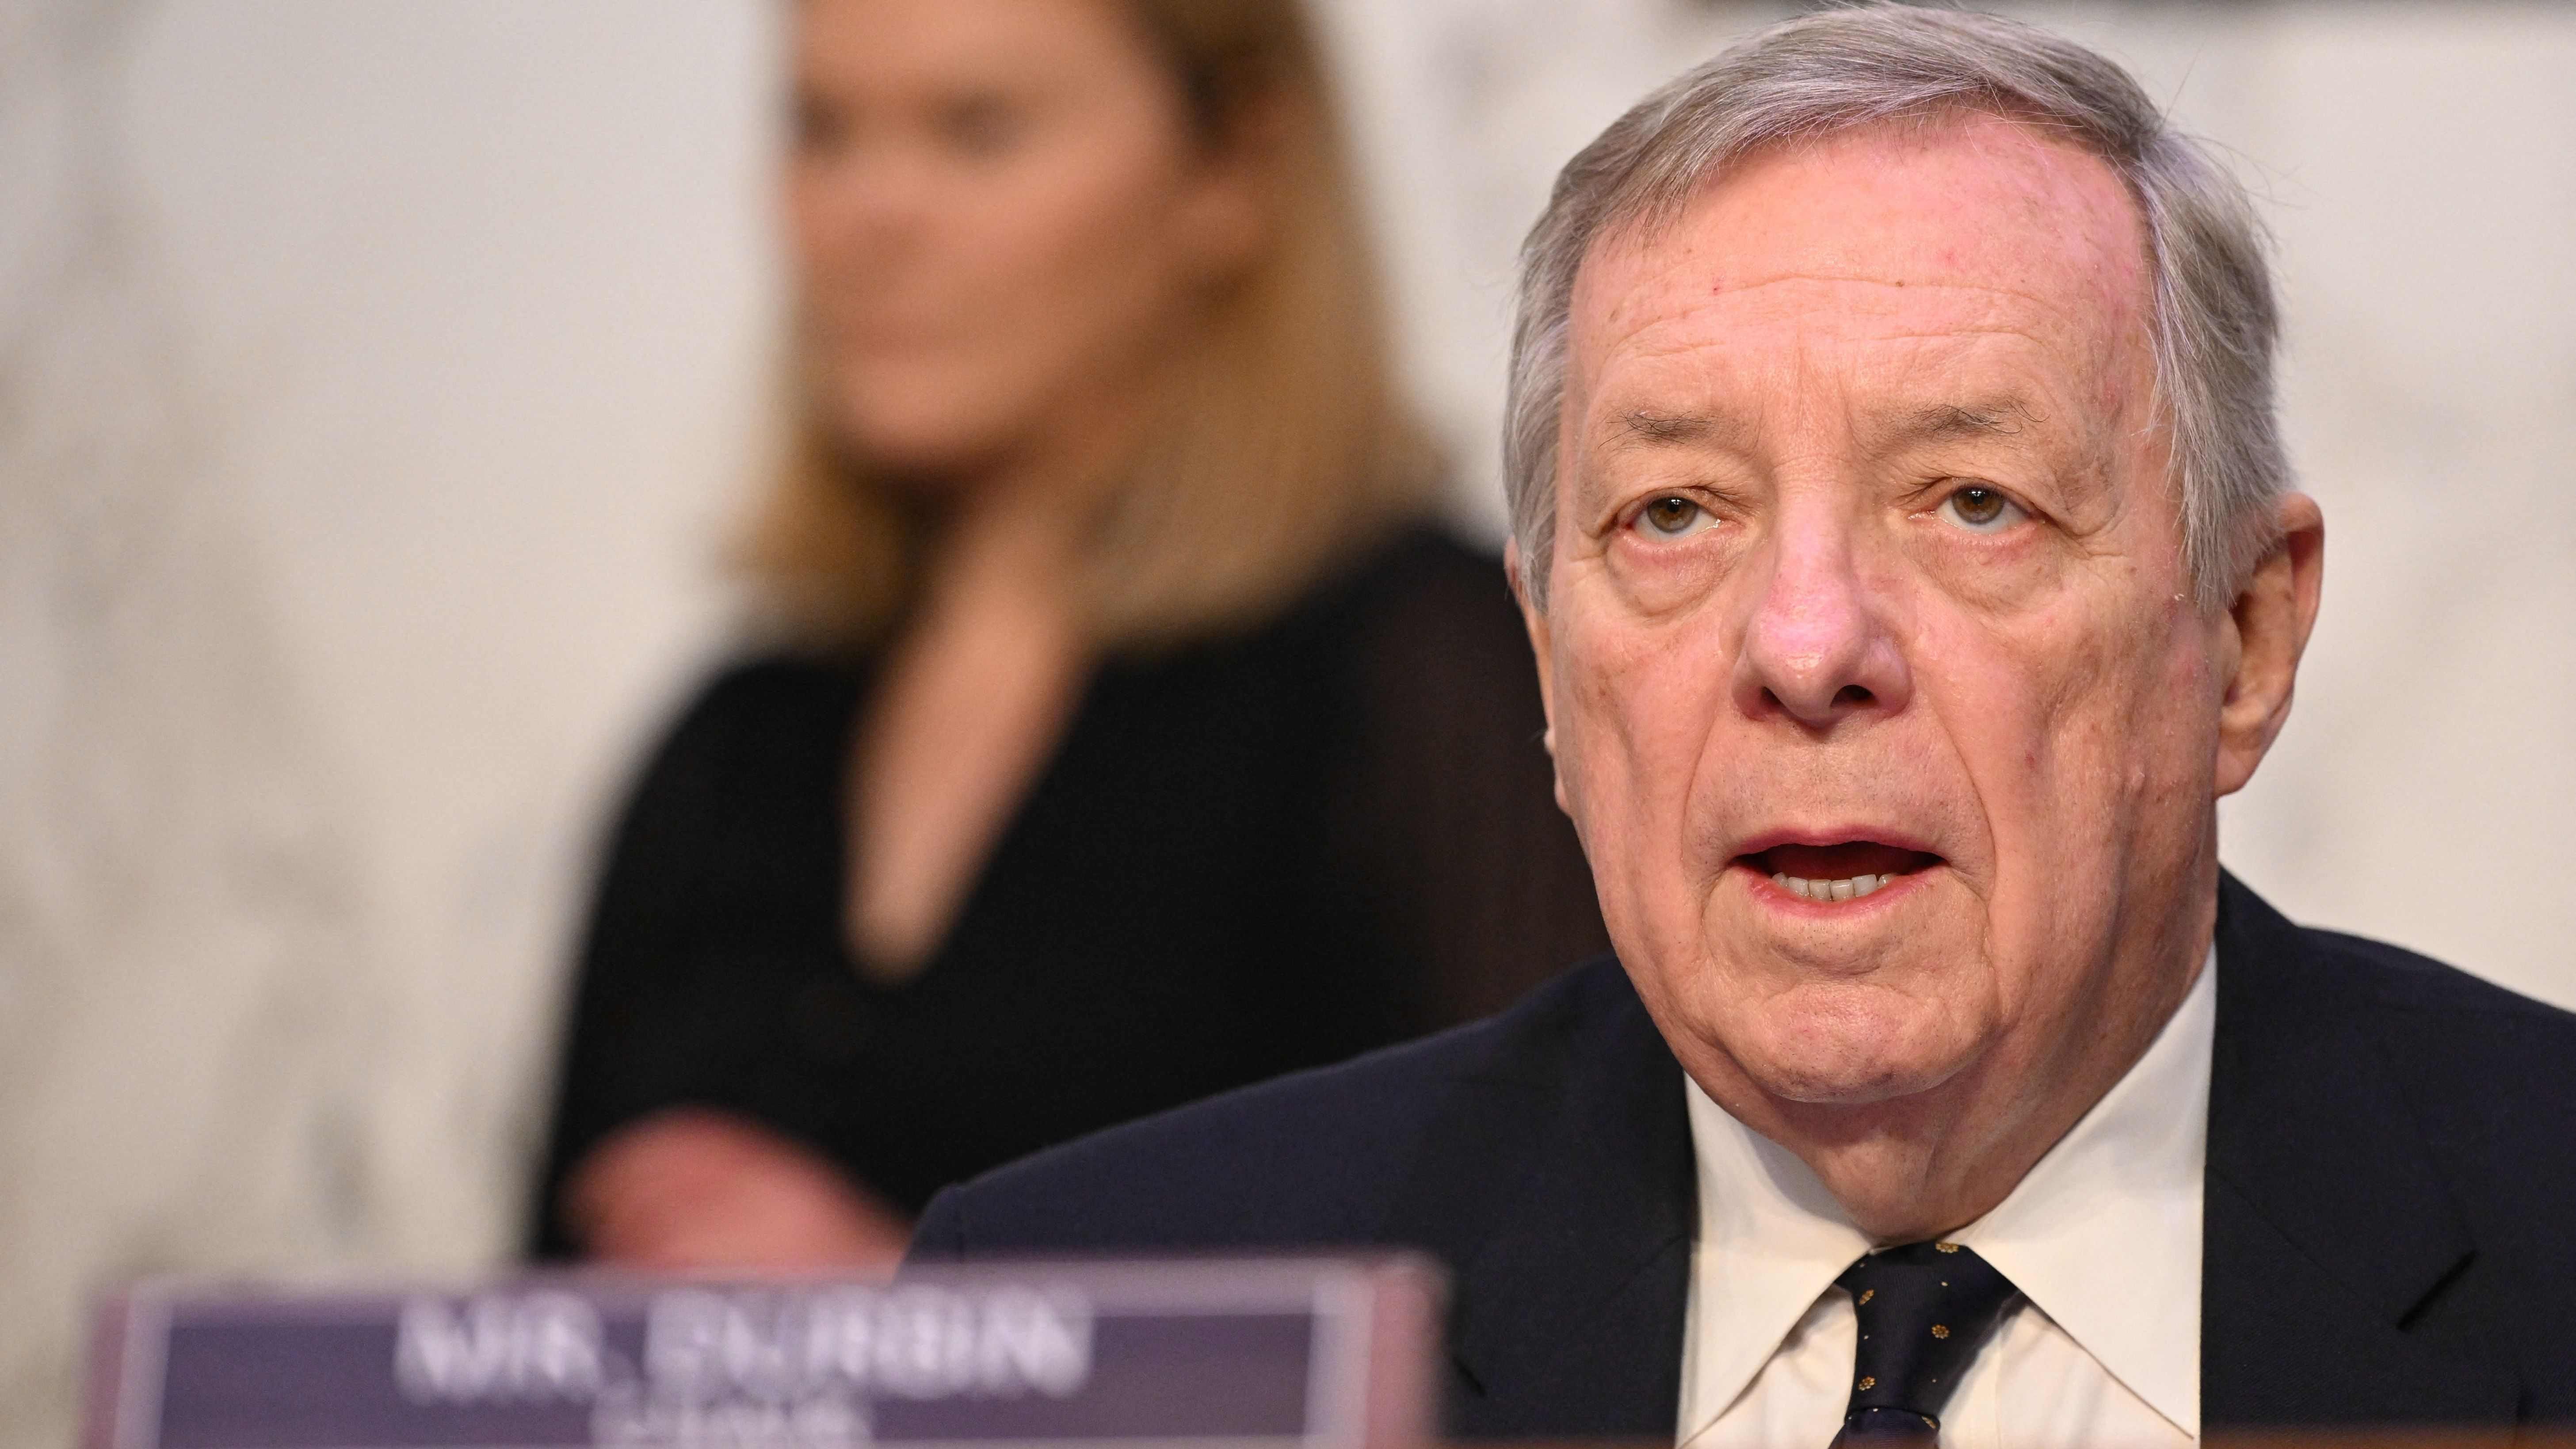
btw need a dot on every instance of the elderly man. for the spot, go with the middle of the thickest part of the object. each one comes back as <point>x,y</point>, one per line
<point>1903,535</point>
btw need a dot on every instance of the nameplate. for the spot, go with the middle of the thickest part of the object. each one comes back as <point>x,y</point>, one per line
<point>1261,1354</point>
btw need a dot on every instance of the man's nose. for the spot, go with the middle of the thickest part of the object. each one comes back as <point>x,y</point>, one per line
<point>1816,647</point>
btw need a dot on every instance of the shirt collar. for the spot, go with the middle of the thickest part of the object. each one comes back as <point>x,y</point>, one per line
<point>2102,1234</point>
<point>1771,1241</point>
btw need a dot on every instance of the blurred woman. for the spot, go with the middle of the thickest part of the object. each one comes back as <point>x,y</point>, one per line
<point>1136,738</point>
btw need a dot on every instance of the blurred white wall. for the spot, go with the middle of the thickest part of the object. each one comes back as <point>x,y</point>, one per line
<point>375,378</point>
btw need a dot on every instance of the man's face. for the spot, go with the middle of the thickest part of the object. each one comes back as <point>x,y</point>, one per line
<point>1875,684</point>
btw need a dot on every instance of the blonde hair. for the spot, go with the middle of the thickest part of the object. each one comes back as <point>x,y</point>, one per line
<point>1283,452</point>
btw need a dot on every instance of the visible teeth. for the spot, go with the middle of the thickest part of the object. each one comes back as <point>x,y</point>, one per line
<point>1849,889</point>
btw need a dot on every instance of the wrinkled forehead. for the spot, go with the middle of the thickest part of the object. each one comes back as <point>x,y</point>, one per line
<point>1971,226</point>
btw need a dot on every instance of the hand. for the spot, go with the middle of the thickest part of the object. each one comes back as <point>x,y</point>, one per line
<point>692,1188</point>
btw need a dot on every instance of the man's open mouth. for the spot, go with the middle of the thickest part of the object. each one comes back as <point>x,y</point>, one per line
<point>1845,871</point>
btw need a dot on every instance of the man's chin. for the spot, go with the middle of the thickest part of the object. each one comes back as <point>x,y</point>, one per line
<point>1842,1062</point>
<point>1826,1087</point>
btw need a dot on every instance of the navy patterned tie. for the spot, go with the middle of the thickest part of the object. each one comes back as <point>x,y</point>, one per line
<point>1924,1309</point>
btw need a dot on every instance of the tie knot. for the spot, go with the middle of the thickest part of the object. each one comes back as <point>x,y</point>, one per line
<point>1924,1310</point>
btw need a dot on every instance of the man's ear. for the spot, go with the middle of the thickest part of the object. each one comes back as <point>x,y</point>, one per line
<point>1535,623</point>
<point>2261,639</point>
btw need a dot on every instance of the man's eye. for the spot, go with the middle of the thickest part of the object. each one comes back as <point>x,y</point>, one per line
<point>1672,517</point>
<point>1980,509</point>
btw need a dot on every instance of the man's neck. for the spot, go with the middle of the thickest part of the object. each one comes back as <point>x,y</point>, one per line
<point>1916,1167</point>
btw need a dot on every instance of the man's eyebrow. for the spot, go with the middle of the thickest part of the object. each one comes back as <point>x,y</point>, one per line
<point>1943,422</point>
<point>1645,426</point>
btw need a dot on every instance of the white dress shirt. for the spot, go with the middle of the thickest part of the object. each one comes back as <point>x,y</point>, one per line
<point>2102,1237</point>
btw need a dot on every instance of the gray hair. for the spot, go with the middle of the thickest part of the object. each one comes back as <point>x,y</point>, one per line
<point>2215,321</point>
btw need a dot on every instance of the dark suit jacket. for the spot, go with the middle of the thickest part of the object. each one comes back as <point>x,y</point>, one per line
<point>2390,1229</point>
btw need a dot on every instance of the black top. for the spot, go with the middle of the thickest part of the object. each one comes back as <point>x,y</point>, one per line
<point>2385,1232</point>
<point>1244,857</point>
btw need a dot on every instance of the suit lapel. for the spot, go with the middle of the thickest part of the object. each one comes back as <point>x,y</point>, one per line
<point>1572,1163</point>
<point>2327,1229</point>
